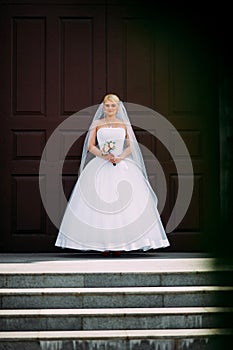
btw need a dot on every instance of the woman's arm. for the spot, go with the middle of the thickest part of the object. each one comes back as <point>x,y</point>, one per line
<point>126,151</point>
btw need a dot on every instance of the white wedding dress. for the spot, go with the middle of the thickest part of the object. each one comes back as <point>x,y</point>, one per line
<point>112,207</point>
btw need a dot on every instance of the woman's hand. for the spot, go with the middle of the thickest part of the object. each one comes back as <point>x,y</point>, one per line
<point>108,157</point>
<point>115,160</point>
<point>112,159</point>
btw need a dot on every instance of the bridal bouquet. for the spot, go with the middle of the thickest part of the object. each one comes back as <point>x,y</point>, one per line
<point>108,147</point>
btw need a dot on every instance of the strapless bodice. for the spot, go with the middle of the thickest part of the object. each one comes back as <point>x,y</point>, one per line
<point>111,140</point>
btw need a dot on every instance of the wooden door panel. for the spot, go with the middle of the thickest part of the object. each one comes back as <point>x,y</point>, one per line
<point>28,66</point>
<point>77,62</point>
<point>27,219</point>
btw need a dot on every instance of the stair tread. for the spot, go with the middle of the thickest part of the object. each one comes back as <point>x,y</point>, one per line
<point>113,290</point>
<point>114,311</point>
<point>111,334</point>
<point>61,265</point>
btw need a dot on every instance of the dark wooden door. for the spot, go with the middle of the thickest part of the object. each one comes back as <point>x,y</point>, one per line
<point>53,65</point>
<point>168,62</point>
<point>58,59</point>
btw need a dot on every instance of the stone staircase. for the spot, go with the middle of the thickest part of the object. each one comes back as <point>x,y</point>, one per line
<point>147,302</point>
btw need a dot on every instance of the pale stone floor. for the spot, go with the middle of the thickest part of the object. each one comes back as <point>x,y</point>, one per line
<point>95,262</point>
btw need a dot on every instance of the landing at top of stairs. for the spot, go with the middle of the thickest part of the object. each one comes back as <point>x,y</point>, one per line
<point>38,263</point>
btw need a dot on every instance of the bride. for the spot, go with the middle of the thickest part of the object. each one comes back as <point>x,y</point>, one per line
<point>112,206</point>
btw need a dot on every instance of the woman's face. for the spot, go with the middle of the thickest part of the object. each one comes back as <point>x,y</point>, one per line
<point>110,107</point>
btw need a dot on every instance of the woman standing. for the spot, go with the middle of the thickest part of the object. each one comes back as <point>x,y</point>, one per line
<point>112,206</point>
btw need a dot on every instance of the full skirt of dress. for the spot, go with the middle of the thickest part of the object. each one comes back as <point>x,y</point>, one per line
<point>112,208</point>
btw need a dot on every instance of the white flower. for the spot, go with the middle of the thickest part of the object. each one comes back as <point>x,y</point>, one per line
<point>107,147</point>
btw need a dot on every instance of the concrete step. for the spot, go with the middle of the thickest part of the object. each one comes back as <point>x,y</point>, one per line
<point>165,339</point>
<point>115,279</point>
<point>115,318</point>
<point>78,271</point>
<point>39,298</point>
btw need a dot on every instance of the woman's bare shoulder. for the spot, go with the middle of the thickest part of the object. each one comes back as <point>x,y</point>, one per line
<point>96,124</point>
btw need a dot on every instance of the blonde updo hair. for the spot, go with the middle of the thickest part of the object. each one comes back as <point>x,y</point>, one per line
<point>112,98</point>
